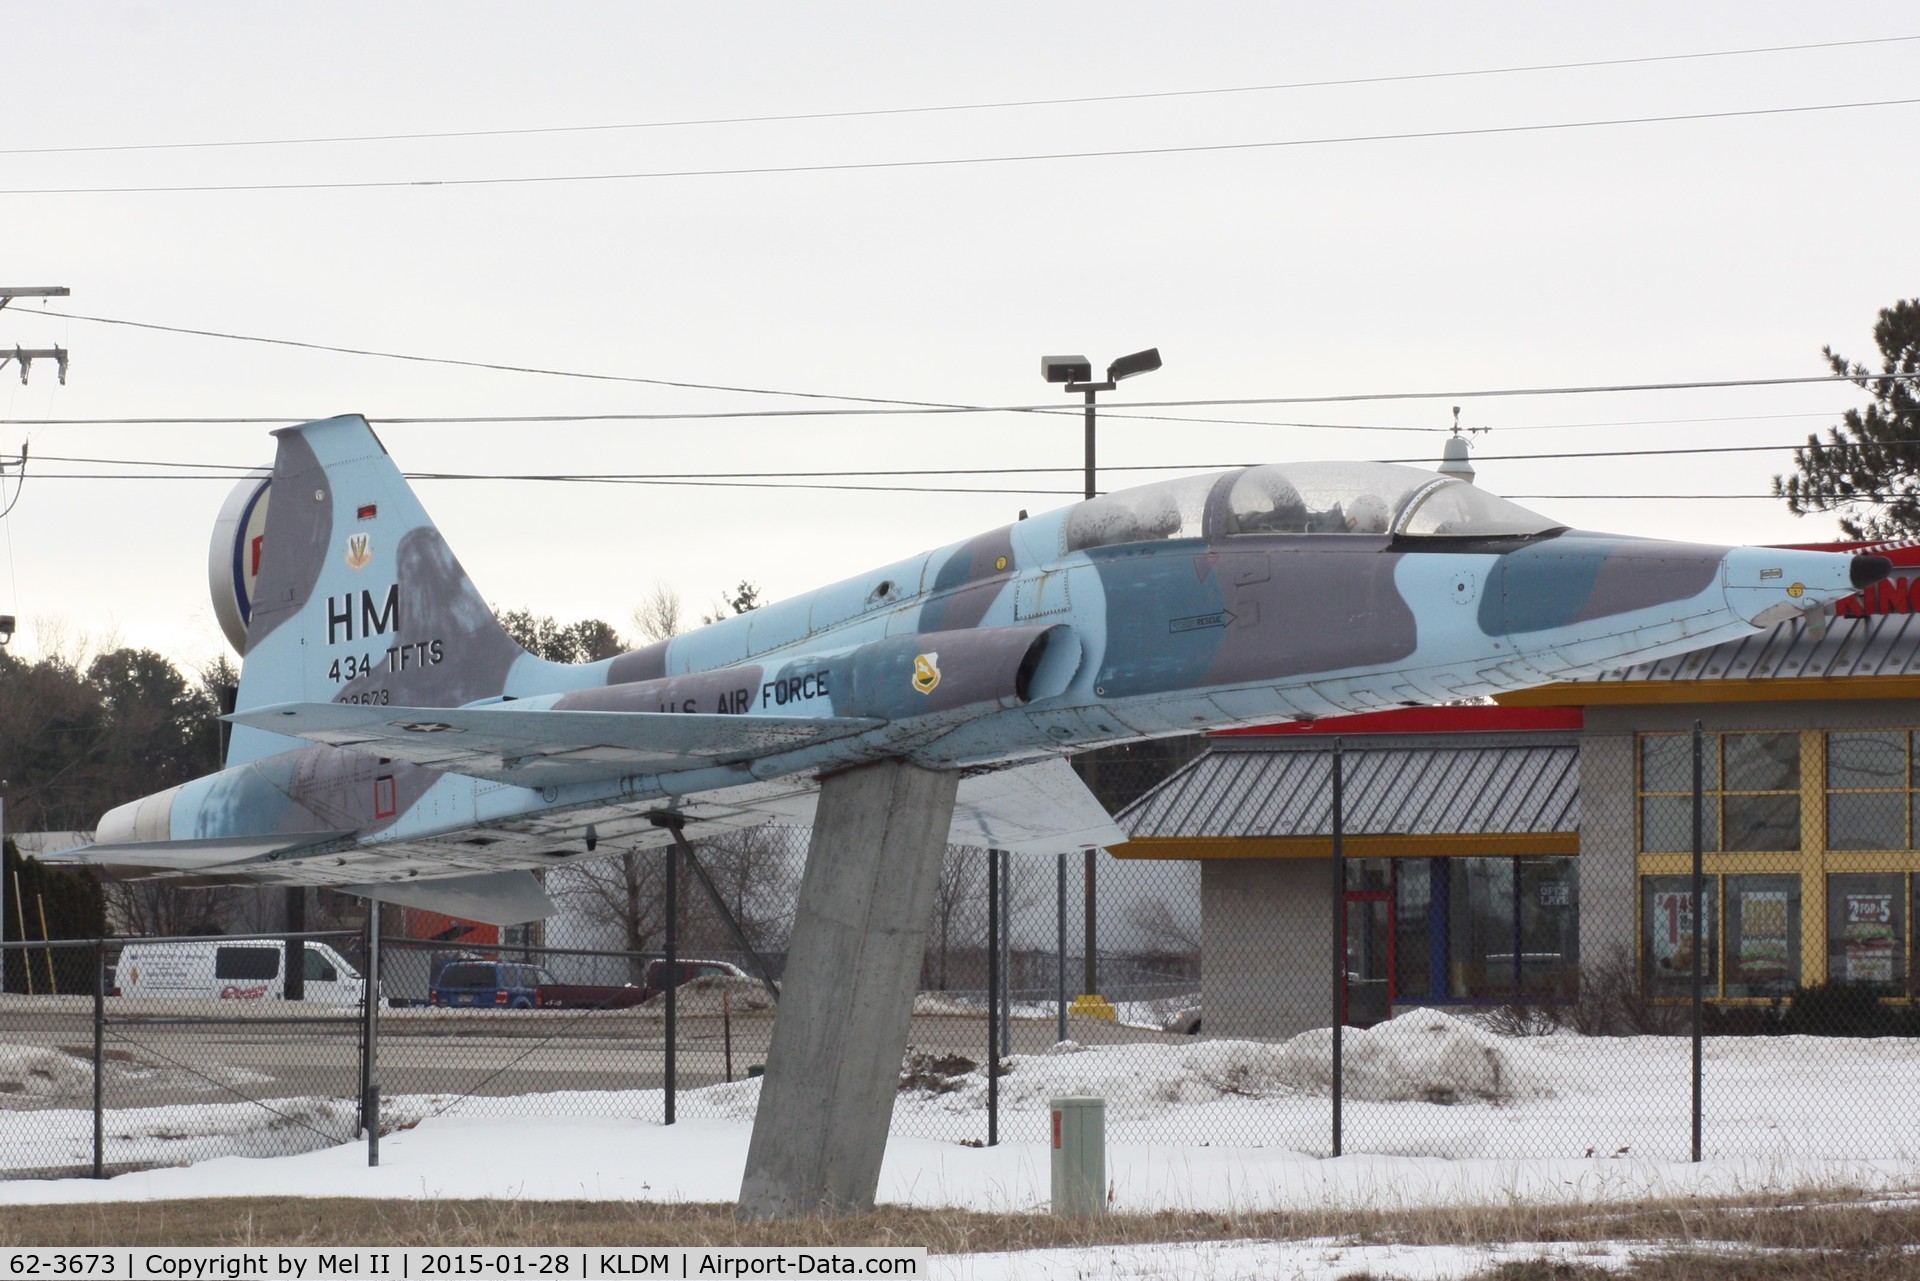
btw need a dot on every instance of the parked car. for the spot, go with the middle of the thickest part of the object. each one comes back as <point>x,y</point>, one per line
<point>656,977</point>
<point>588,996</point>
<point>233,970</point>
<point>501,985</point>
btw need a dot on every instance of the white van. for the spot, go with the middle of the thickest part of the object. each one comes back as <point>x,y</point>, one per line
<point>233,970</point>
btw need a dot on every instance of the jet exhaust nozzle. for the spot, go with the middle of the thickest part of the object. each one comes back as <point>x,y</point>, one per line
<point>1868,570</point>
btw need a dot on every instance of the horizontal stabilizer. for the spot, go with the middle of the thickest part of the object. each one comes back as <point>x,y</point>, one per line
<point>196,854</point>
<point>538,747</point>
<point>494,898</point>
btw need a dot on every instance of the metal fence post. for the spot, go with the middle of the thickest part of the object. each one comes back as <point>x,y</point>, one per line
<point>294,986</point>
<point>673,973</point>
<point>1699,917</point>
<point>993,998</point>
<point>1339,942</point>
<point>370,1038</point>
<point>1005,944</point>
<point>1060,946</point>
<point>99,1058</point>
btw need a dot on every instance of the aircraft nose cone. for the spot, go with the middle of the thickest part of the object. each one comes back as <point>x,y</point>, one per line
<point>1868,570</point>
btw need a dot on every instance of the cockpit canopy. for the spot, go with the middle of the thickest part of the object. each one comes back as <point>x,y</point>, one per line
<point>1301,498</point>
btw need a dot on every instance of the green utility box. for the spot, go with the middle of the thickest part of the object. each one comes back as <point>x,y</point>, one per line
<point>1079,1157</point>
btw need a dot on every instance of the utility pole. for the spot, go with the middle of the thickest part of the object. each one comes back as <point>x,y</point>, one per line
<point>25,356</point>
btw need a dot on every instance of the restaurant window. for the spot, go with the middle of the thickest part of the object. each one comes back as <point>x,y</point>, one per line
<point>1867,929</point>
<point>1549,927</point>
<point>1763,935</point>
<point>1513,927</point>
<point>1666,934</point>
<point>1365,874</point>
<point>1413,885</point>
<point>1870,796</point>
<point>1750,785</point>
<point>1480,927</point>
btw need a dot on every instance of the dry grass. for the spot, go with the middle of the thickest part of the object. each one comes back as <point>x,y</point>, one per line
<point>1833,1236</point>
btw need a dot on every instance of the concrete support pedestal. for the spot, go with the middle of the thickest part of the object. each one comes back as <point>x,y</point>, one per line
<point>859,933</point>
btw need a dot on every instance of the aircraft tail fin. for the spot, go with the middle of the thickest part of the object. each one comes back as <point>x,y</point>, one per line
<point>359,599</point>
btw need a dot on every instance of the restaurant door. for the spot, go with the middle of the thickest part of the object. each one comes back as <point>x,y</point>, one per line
<point>1369,969</point>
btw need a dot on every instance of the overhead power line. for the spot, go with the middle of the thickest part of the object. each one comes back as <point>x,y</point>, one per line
<point>174,470</point>
<point>891,405</point>
<point>1075,468</point>
<point>998,105</point>
<point>478,364</point>
<point>1064,492</point>
<point>372,184</point>
<point>1049,408</point>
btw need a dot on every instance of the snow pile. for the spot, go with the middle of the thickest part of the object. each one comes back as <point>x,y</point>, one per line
<point>39,1072</point>
<point>1423,1056</point>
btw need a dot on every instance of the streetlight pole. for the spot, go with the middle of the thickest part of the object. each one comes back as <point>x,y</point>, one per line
<point>1077,373</point>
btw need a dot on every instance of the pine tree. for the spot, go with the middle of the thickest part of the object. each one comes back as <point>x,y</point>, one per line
<point>1868,468</point>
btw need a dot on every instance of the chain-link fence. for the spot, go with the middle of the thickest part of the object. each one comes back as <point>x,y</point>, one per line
<point>1526,957</point>
<point>1466,947</point>
<point>182,1064</point>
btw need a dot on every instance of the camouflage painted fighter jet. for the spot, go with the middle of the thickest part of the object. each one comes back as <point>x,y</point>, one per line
<point>392,740</point>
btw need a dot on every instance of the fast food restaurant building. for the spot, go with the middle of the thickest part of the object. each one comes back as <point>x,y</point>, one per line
<point>1492,851</point>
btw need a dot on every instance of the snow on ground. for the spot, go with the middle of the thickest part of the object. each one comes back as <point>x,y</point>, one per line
<point>36,1071</point>
<point>1439,1111</point>
<point>1309,1260</point>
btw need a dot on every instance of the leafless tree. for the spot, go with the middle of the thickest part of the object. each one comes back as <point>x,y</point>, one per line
<point>756,871</point>
<point>959,906</point>
<point>659,615</point>
<point>625,892</point>
<point>166,908</point>
<point>1164,930</point>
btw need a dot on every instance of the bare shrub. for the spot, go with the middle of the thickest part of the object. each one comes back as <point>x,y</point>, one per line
<point>1610,1001</point>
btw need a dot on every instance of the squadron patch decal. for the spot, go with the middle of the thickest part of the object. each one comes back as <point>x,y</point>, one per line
<point>1794,590</point>
<point>926,672</point>
<point>359,551</point>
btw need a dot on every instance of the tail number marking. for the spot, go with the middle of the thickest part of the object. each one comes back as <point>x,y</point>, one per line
<point>373,620</point>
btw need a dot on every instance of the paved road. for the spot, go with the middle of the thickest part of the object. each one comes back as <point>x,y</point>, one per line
<point>208,1051</point>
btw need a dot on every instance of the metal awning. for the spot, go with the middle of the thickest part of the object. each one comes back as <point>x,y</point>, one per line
<point>1413,785</point>
<point>1877,645</point>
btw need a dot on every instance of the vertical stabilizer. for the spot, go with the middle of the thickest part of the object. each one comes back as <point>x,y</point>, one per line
<point>359,599</point>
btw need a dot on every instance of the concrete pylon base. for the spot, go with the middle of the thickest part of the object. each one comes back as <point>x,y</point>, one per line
<point>859,933</point>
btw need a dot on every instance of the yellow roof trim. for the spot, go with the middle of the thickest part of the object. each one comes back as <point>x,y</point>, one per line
<point>1426,845</point>
<point>1771,689</point>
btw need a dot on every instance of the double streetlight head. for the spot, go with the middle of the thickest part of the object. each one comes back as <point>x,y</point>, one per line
<point>1077,371</point>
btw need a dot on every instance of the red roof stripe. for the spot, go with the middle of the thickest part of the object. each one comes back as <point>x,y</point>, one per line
<point>1431,720</point>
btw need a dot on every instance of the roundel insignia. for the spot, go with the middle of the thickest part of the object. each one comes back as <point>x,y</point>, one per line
<point>1794,589</point>
<point>359,551</point>
<point>926,672</point>
<point>234,555</point>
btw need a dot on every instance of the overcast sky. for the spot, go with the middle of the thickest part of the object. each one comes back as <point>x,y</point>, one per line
<point>1688,250</point>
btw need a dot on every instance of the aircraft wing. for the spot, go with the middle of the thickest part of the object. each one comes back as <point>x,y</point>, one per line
<point>1032,809</point>
<point>1039,808</point>
<point>538,747</point>
<point>496,898</point>
<point>479,872</point>
<point>163,858</point>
